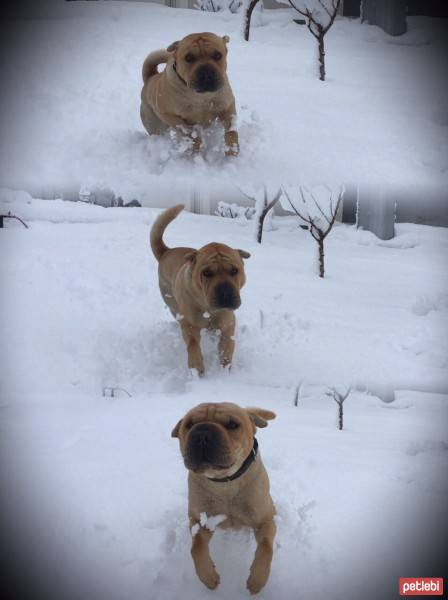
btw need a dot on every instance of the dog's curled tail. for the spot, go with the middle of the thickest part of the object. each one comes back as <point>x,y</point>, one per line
<point>158,246</point>
<point>149,68</point>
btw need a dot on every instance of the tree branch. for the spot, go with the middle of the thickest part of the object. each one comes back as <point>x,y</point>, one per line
<point>246,195</point>
<point>324,6</point>
<point>320,209</point>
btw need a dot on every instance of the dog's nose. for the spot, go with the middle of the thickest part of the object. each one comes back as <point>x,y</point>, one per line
<point>202,444</point>
<point>207,79</point>
<point>226,296</point>
<point>202,437</point>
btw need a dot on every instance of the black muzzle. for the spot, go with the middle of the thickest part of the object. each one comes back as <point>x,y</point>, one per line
<point>206,79</point>
<point>226,296</point>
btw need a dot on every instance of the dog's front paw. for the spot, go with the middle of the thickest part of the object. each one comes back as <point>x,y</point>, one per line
<point>254,586</point>
<point>196,373</point>
<point>209,576</point>
<point>196,143</point>
<point>232,146</point>
<point>196,365</point>
<point>232,150</point>
<point>226,364</point>
<point>257,579</point>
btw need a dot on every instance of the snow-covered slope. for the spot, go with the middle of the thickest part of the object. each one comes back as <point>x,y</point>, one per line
<point>71,85</point>
<point>98,481</point>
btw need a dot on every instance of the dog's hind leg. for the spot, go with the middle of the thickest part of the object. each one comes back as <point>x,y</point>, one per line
<point>200,553</point>
<point>152,123</point>
<point>261,567</point>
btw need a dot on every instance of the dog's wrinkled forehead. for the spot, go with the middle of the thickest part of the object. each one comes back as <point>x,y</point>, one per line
<point>215,412</point>
<point>202,43</point>
<point>218,254</point>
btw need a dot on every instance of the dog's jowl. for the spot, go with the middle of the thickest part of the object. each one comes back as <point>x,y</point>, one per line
<point>201,288</point>
<point>228,482</point>
<point>192,91</point>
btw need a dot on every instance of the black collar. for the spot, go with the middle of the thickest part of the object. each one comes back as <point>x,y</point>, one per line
<point>246,464</point>
<point>181,78</point>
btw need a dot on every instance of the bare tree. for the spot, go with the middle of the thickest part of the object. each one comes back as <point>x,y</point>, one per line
<point>218,5</point>
<point>248,9</point>
<point>319,221</point>
<point>297,391</point>
<point>320,16</point>
<point>10,216</point>
<point>339,399</point>
<point>263,204</point>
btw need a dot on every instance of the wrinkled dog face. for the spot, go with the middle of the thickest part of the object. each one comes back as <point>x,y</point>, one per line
<point>201,60</point>
<point>217,271</point>
<point>215,439</point>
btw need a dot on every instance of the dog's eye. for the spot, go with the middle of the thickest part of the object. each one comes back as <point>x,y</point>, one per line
<point>233,271</point>
<point>232,425</point>
<point>217,56</point>
<point>189,424</point>
<point>207,273</point>
<point>190,58</point>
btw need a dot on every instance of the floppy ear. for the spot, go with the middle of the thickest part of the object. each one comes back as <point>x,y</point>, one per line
<point>191,256</point>
<point>225,39</point>
<point>260,416</point>
<point>172,47</point>
<point>243,253</point>
<point>175,432</point>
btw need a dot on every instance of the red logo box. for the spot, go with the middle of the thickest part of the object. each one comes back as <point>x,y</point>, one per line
<point>421,586</point>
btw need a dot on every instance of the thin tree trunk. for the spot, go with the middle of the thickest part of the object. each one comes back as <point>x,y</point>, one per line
<point>321,257</point>
<point>248,17</point>
<point>321,48</point>
<point>260,228</point>
<point>261,219</point>
<point>267,207</point>
<point>341,415</point>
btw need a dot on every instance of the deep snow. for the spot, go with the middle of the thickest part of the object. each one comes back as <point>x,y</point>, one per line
<point>71,85</point>
<point>378,319</point>
<point>101,481</point>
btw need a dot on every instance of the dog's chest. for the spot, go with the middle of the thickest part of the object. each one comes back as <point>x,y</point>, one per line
<point>239,511</point>
<point>204,111</point>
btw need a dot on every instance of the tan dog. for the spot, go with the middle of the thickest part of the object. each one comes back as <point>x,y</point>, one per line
<point>227,478</point>
<point>201,288</point>
<point>193,89</point>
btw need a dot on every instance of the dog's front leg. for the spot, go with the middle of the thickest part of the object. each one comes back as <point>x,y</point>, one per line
<point>261,567</point>
<point>226,344</point>
<point>196,138</point>
<point>192,338</point>
<point>189,131</point>
<point>228,119</point>
<point>193,134</point>
<point>200,552</point>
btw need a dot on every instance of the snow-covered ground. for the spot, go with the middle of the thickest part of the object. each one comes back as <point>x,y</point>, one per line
<point>71,88</point>
<point>96,484</point>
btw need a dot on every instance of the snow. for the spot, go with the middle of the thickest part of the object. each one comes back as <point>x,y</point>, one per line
<point>70,105</point>
<point>210,522</point>
<point>97,481</point>
<point>321,11</point>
